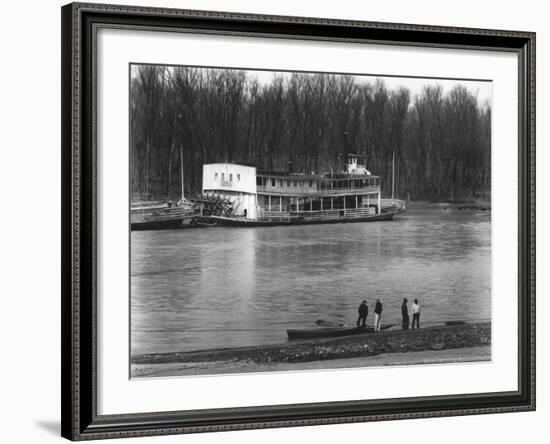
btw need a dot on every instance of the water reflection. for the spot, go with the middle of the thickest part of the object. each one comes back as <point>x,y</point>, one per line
<point>220,287</point>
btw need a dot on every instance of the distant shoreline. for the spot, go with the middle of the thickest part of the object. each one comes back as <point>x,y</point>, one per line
<point>480,205</point>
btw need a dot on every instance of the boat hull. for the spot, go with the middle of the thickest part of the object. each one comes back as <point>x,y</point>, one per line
<point>161,218</point>
<point>318,333</point>
<point>167,224</point>
<point>241,222</point>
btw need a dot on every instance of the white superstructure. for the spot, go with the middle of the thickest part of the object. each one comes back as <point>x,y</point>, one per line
<point>234,182</point>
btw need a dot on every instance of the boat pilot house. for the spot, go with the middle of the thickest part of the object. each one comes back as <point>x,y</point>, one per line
<point>296,197</point>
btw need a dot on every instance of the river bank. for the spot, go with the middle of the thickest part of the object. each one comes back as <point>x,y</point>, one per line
<point>461,205</point>
<point>469,342</point>
<point>427,357</point>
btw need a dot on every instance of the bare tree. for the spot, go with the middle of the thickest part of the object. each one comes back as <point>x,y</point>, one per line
<point>438,145</point>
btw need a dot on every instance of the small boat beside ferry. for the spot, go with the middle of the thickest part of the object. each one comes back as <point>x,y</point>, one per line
<point>161,215</point>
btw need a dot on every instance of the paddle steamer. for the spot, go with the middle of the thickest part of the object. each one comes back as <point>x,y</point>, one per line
<point>286,198</point>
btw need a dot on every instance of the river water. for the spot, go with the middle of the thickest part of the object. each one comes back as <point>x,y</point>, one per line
<point>220,287</point>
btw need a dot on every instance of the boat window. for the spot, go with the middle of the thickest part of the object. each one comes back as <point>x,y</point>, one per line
<point>259,181</point>
<point>272,182</point>
<point>280,182</point>
<point>215,176</point>
<point>310,183</point>
<point>231,177</point>
<point>238,177</point>
<point>223,176</point>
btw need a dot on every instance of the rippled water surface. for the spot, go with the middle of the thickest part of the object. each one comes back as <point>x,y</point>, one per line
<point>221,287</point>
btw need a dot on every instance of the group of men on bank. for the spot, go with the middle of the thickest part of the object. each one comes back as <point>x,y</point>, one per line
<point>364,311</point>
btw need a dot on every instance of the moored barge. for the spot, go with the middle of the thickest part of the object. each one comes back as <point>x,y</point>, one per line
<point>161,215</point>
<point>164,215</point>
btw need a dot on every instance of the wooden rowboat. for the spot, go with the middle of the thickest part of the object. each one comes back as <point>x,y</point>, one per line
<point>330,332</point>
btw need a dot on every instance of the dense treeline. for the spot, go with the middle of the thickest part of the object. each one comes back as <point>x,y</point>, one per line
<point>306,122</point>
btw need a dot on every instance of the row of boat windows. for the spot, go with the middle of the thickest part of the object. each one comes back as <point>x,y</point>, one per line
<point>230,176</point>
<point>324,184</point>
<point>349,183</point>
<point>264,181</point>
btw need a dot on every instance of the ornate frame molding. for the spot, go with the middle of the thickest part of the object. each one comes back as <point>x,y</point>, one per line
<point>79,396</point>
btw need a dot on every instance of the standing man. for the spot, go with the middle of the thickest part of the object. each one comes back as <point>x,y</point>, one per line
<point>377,315</point>
<point>405,315</point>
<point>363,312</point>
<point>415,310</point>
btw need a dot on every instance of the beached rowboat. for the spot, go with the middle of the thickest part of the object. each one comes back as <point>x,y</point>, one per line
<point>330,332</point>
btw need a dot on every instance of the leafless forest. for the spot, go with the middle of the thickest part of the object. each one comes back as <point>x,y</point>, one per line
<point>307,122</point>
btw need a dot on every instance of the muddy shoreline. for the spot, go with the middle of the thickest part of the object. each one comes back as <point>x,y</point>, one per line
<point>475,205</point>
<point>437,338</point>
<point>428,357</point>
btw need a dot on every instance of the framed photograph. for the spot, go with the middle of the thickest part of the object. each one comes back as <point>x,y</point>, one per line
<point>280,221</point>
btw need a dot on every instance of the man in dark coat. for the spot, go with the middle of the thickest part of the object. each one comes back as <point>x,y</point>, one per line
<point>363,312</point>
<point>405,315</point>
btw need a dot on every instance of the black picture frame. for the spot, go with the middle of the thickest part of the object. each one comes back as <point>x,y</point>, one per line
<point>79,169</point>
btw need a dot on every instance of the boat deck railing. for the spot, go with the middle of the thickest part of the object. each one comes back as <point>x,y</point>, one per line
<point>159,214</point>
<point>393,204</point>
<point>325,192</point>
<point>148,205</point>
<point>316,214</point>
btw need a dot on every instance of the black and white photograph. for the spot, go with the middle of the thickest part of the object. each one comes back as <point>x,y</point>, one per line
<point>286,221</point>
<point>275,222</point>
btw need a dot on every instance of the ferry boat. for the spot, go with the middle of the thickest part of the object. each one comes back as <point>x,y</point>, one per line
<point>278,198</point>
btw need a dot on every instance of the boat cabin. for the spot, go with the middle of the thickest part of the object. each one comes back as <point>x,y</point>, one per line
<point>353,192</point>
